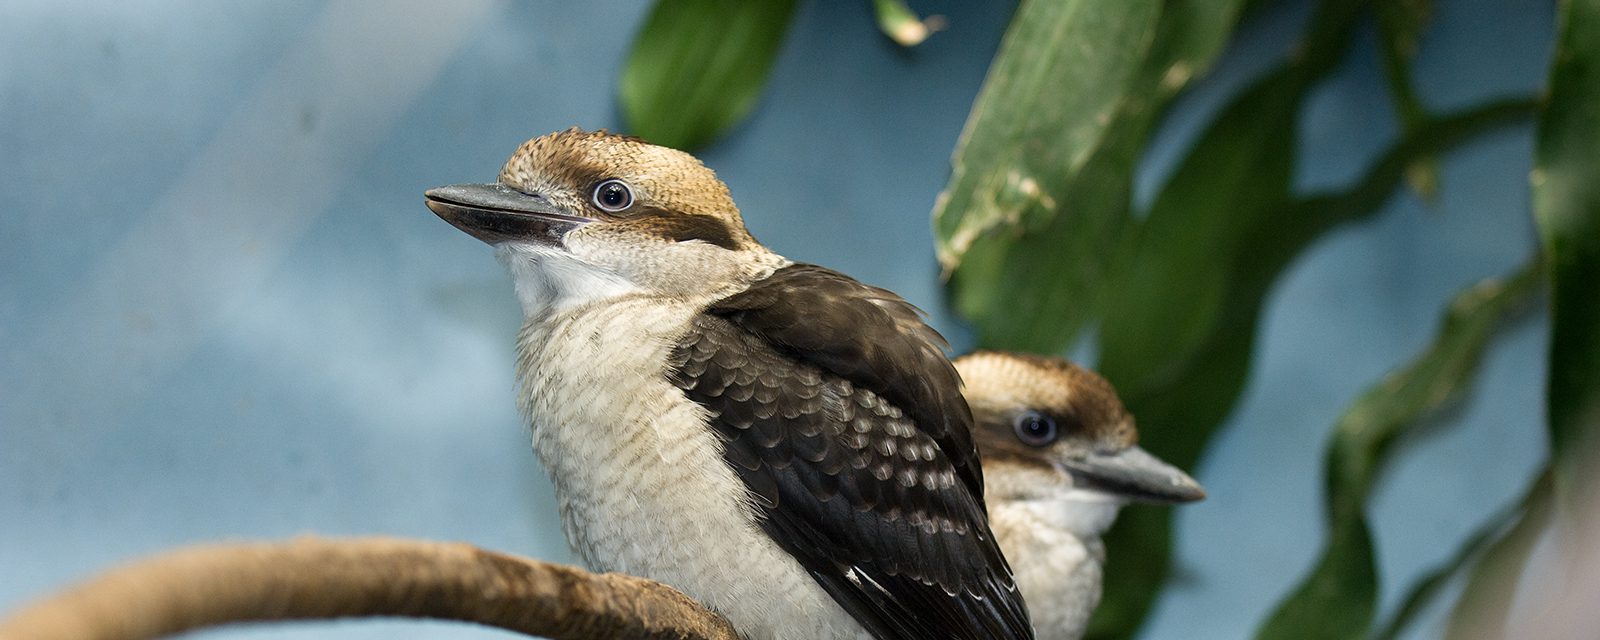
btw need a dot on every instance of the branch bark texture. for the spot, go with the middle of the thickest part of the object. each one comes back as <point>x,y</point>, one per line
<point>314,578</point>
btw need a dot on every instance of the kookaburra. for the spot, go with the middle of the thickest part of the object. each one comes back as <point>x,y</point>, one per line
<point>784,444</point>
<point>1059,461</point>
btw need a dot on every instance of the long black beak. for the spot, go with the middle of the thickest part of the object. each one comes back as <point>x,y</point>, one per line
<point>495,213</point>
<point>1135,475</point>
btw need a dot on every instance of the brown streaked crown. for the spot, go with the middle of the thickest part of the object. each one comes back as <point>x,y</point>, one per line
<point>1085,407</point>
<point>675,194</point>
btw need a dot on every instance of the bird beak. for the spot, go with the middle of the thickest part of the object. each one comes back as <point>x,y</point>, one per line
<point>495,213</point>
<point>1134,474</point>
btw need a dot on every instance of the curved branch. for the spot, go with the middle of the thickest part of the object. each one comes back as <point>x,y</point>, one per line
<point>312,578</point>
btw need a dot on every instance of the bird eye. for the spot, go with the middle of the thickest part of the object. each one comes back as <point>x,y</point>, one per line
<point>1036,429</point>
<point>613,195</point>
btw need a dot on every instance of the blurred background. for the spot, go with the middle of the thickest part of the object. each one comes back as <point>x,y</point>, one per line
<point>225,313</point>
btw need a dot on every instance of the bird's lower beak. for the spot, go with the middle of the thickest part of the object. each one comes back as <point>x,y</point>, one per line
<point>1134,474</point>
<point>495,213</point>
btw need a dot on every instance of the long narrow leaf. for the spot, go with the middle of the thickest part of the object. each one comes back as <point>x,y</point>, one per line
<point>1246,150</point>
<point>1566,206</point>
<point>1017,199</point>
<point>698,66</point>
<point>1138,547</point>
<point>1180,406</point>
<point>1400,24</point>
<point>1428,586</point>
<point>1236,174</point>
<point>1045,166</point>
<point>1338,599</point>
<point>1044,107</point>
<point>1484,607</point>
<point>1230,184</point>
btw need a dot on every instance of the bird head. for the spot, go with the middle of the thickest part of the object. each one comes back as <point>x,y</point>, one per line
<point>1048,429</point>
<point>578,214</point>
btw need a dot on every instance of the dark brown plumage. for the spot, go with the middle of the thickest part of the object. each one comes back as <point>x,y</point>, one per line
<point>804,374</point>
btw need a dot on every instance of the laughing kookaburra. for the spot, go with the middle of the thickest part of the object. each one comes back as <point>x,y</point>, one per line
<point>1059,460</point>
<point>784,444</point>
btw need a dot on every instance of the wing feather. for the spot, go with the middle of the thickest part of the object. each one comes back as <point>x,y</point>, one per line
<point>843,418</point>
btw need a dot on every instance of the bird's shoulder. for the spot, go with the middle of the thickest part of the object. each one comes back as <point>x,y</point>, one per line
<point>869,336</point>
<point>845,422</point>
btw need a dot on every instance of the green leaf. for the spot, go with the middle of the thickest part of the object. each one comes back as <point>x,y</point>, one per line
<point>1182,394</point>
<point>1338,599</point>
<point>1045,105</point>
<point>1181,397</point>
<point>1400,25</point>
<point>902,25</point>
<point>1044,167</point>
<point>1254,133</point>
<point>1017,199</point>
<point>1484,607</point>
<point>1229,185</point>
<point>1337,602</point>
<point>698,66</point>
<point>1189,37</point>
<point>1428,586</point>
<point>1566,207</point>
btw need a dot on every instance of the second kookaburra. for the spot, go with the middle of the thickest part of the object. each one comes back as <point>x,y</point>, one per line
<point>784,444</point>
<point>1059,460</point>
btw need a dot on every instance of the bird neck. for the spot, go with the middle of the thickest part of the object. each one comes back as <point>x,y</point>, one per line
<point>550,281</point>
<point>1057,569</point>
<point>1046,497</point>
<point>1085,517</point>
<point>1087,513</point>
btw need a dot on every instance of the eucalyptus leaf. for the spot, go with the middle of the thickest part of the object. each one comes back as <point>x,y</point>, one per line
<point>1427,587</point>
<point>1178,401</point>
<point>1052,158</point>
<point>1252,134</point>
<point>1566,207</point>
<point>1235,173</point>
<point>698,67</point>
<point>1484,607</point>
<point>1400,25</point>
<point>1045,105</point>
<point>1229,185</point>
<point>1338,598</point>
<point>1179,407</point>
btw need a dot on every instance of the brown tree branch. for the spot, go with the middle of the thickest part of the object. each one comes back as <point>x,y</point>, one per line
<point>312,578</point>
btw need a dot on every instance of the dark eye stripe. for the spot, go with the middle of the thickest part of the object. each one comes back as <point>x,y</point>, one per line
<point>680,227</point>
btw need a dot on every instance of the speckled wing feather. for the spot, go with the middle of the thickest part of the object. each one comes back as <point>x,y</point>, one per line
<point>846,424</point>
<point>869,336</point>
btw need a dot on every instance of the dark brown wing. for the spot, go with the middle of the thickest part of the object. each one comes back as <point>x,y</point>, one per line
<point>869,336</point>
<point>866,498</point>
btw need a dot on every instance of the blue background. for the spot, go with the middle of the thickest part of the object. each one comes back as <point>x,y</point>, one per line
<point>225,313</point>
